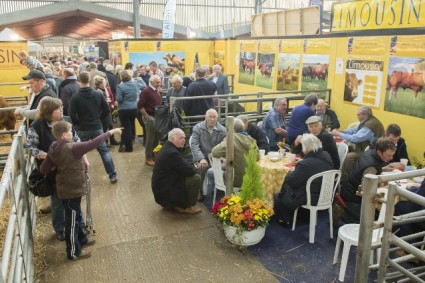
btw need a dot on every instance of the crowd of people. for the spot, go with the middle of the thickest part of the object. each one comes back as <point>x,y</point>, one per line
<point>71,113</point>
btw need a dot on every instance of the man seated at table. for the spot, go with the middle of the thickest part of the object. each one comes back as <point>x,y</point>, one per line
<point>329,119</point>
<point>299,115</point>
<point>175,182</point>
<point>315,127</point>
<point>369,162</point>
<point>393,132</point>
<point>274,123</point>
<point>256,133</point>
<point>293,193</point>
<point>369,129</point>
<point>205,136</point>
<point>242,143</point>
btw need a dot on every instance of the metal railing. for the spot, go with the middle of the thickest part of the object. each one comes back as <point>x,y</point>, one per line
<point>18,246</point>
<point>367,224</point>
<point>255,97</point>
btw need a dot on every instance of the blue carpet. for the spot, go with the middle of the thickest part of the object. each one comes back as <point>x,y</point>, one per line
<point>291,258</point>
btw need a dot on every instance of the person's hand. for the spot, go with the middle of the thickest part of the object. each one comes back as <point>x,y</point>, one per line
<point>203,164</point>
<point>18,110</point>
<point>116,130</point>
<point>42,155</point>
<point>298,140</point>
<point>335,132</point>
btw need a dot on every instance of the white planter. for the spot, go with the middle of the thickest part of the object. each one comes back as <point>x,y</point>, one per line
<point>244,237</point>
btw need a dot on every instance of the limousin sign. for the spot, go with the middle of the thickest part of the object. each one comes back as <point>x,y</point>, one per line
<point>377,14</point>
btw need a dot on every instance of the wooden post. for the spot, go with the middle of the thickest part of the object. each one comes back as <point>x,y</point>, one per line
<point>367,217</point>
<point>229,155</point>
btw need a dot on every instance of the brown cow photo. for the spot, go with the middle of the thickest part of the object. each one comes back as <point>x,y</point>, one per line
<point>247,66</point>
<point>406,86</point>
<point>314,72</point>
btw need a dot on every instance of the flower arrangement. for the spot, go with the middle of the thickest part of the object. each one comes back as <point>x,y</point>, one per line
<point>246,211</point>
<point>157,148</point>
<point>250,215</point>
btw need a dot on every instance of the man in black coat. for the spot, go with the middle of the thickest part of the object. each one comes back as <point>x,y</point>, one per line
<point>68,87</point>
<point>293,193</point>
<point>38,85</point>
<point>175,182</point>
<point>200,87</point>
<point>328,143</point>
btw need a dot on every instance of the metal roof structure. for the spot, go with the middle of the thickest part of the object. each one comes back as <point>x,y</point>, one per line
<point>97,19</point>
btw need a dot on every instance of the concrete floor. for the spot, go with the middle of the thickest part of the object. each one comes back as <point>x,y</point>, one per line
<point>138,241</point>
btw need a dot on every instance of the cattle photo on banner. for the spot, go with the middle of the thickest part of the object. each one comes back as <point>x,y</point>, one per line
<point>247,68</point>
<point>264,70</point>
<point>406,76</point>
<point>315,72</point>
<point>288,71</point>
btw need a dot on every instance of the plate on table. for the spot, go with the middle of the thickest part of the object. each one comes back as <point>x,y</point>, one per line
<point>418,179</point>
<point>274,159</point>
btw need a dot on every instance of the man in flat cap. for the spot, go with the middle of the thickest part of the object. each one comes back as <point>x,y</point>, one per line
<point>314,124</point>
<point>37,83</point>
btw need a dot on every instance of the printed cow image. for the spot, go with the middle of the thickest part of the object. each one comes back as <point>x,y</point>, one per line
<point>414,81</point>
<point>248,66</point>
<point>265,69</point>
<point>307,73</point>
<point>7,118</point>
<point>351,86</point>
<point>320,71</point>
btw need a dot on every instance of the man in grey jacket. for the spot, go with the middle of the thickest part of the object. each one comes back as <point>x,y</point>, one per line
<point>205,136</point>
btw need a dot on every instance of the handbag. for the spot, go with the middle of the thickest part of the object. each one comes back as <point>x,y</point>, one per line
<point>40,185</point>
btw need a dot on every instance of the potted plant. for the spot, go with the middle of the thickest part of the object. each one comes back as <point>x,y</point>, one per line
<point>245,216</point>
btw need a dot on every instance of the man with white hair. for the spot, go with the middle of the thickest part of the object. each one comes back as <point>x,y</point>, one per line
<point>176,90</point>
<point>293,192</point>
<point>329,119</point>
<point>205,136</point>
<point>175,182</point>
<point>241,143</point>
<point>220,80</point>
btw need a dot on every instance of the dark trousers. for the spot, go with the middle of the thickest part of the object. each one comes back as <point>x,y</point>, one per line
<point>74,233</point>
<point>192,186</point>
<point>142,124</point>
<point>127,117</point>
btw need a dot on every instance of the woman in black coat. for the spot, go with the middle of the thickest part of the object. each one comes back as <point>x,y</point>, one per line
<point>175,182</point>
<point>293,193</point>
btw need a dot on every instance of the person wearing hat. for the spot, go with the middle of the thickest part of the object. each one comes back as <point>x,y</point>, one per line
<point>314,124</point>
<point>37,82</point>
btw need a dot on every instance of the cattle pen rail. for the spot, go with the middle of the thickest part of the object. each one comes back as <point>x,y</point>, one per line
<point>367,225</point>
<point>225,100</point>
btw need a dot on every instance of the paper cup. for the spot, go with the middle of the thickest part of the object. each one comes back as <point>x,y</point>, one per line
<point>262,153</point>
<point>404,161</point>
<point>291,157</point>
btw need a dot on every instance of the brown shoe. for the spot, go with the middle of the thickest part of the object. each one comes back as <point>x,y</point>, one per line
<point>337,214</point>
<point>189,210</point>
<point>150,162</point>
<point>121,148</point>
<point>46,209</point>
<point>200,197</point>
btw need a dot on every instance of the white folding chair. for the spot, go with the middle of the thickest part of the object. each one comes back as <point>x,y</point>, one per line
<point>330,181</point>
<point>219,184</point>
<point>349,234</point>
<point>353,125</point>
<point>342,152</point>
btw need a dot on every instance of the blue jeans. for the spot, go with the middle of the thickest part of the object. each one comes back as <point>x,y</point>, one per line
<point>74,234</point>
<point>58,213</point>
<point>102,149</point>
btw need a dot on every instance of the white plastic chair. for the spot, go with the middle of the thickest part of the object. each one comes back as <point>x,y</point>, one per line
<point>218,176</point>
<point>349,234</point>
<point>330,181</point>
<point>342,152</point>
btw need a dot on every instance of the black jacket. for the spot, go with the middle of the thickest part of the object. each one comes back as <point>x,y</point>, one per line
<point>199,87</point>
<point>87,109</point>
<point>67,89</point>
<point>45,91</point>
<point>259,136</point>
<point>169,174</point>
<point>296,181</point>
<point>113,82</point>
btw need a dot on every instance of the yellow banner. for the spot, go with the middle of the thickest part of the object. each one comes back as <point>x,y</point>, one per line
<point>219,45</point>
<point>268,46</point>
<point>290,45</point>
<point>9,55</point>
<point>377,14</point>
<point>366,45</point>
<point>248,45</point>
<point>410,46</point>
<point>317,46</point>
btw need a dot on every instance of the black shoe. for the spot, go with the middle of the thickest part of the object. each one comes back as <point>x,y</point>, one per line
<point>286,224</point>
<point>113,180</point>
<point>90,242</point>
<point>60,236</point>
<point>84,254</point>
